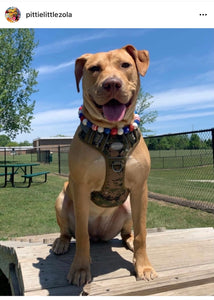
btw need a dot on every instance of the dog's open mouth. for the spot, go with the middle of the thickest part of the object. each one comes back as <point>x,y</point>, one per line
<point>113,111</point>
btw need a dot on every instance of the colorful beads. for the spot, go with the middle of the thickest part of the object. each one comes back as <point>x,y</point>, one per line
<point>94,127</point>
<point>131,127</point>
<point>89,124</point>
<point>112,131</point>
<point>84,122</point>
<point>120,131</point>
<point>135,125</point>
<point>100,129</point>
<point>107,130</point>
<point>126,129</point>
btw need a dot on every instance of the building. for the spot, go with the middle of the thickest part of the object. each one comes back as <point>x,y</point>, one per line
<point>51,143</point>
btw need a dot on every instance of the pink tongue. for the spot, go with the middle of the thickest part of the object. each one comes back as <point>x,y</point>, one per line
<point>114,111</point>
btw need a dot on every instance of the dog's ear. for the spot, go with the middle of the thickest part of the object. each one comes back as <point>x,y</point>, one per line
<point>141,58</point>
<point>79,65</point>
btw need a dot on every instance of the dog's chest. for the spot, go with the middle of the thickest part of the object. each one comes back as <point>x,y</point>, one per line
<point>115,149</point>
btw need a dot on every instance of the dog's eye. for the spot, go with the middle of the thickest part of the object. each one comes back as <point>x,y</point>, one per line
<point>94,69</point>
<point>125,65</point>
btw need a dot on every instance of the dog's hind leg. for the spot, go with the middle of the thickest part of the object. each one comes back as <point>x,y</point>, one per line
<point>65,220</point>
<point>127,235</point>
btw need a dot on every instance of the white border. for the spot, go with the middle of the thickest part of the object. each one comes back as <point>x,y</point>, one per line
<point>113,14</point>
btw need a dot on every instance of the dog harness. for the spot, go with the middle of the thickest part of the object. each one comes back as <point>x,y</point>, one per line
<point>115,145</point>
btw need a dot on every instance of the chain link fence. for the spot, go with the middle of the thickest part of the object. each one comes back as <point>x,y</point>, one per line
<point>182,166</point>
<point>55,158</point>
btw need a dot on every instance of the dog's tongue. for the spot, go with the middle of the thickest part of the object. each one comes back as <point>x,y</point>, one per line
<point>114,110</point>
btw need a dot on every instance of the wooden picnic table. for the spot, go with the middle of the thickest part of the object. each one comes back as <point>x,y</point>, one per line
<point>12,169</point>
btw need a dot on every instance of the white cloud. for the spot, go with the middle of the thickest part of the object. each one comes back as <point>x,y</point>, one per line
<point>51,68</point>
<point>55,117</point>
<point>173,117</point>
<point>200,94</point>
<point>60,45</point>
<point>51,123</point>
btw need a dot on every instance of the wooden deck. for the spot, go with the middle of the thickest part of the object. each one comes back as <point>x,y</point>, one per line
<point>184,260</point>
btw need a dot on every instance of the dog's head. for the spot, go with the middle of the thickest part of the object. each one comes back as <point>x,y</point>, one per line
<point>111,84</point>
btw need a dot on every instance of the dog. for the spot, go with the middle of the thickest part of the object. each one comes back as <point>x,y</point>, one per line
<point>117,183</point>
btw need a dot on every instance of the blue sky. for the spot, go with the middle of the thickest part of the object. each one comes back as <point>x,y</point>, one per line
<point>180,77</point>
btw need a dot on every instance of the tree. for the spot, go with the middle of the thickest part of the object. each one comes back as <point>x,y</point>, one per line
<point>164,144</point>
<point>25,143</point>
<point>152,143</point>
<point>143,103</point>
<point>17,80</point>
<point>4,140</point>
<point>194,142</point>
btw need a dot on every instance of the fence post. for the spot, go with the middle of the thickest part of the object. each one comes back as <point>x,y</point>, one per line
<point>213,144</point>
<point>5,156</point>
<point>59,160</point>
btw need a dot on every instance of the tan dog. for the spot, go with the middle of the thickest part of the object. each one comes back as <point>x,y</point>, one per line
<point>110,88</point>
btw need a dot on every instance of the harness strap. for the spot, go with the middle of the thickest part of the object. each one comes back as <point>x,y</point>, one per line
<point>115,149</point>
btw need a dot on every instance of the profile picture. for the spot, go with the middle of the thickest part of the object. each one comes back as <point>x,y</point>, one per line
<point>12,14</point>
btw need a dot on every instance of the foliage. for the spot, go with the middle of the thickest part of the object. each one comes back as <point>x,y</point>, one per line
<point>25,143</point>
<point>17,80</point>
<point>143,104</point>
<point>4,140</point>
<point>178,142</point>
<point>195,142</point>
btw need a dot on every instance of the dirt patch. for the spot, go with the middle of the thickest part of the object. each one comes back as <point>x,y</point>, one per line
<point>202,205</point>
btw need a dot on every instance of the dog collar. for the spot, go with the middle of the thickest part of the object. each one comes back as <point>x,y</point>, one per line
<point>113,131</point>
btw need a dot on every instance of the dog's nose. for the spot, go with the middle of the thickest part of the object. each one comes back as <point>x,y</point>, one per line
<point>112,83</point>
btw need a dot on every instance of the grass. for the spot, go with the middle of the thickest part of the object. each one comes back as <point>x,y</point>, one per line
<point>31,211</point>
<point>171,216</point>
<point>177,182</point>
<point>180,152</point>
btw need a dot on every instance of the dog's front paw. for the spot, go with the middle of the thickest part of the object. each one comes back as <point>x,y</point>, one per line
<point>145,273</point>
<point>79,273</point>
<point>61,245</point>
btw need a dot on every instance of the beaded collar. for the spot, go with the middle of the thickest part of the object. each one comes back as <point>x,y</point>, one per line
<point>114,131</point>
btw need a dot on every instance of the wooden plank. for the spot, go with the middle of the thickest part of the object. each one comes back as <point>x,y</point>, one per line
<point>42,238</point>
<point>67,290</point>
<point>39,265</point>
<point>14,282</point>
<point>10,266</point>
<point>178,256</point>
<point>179,236</point>
<point>199,290</point>
<point>130,287</point>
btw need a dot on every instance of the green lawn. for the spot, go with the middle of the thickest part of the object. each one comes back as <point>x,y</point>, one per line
<point>174,216</point>
<point>30,211</point>
<point>173,159</point>
<point>179,182</point>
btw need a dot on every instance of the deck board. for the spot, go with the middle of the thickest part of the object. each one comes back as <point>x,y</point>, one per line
<point>184,260</point>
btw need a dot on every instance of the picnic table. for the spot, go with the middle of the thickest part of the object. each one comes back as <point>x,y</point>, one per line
<point>26,168</point>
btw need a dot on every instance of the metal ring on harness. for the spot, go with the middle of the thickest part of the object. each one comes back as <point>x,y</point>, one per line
<point>116,164</point>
